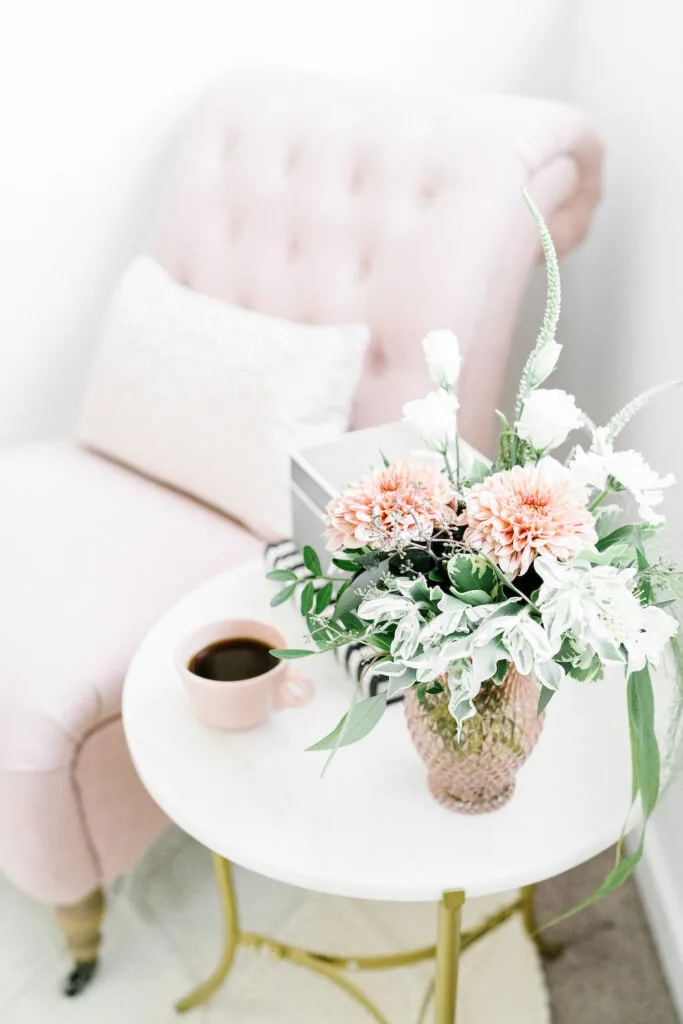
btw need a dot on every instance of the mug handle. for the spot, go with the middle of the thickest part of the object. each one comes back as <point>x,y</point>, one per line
<point>293,690</point>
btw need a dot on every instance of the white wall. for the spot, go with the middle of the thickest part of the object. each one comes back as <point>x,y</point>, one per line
<point>91,95</point>
<point>627,324</point>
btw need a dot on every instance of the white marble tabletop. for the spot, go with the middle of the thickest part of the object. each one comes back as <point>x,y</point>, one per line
<point>370,828</point>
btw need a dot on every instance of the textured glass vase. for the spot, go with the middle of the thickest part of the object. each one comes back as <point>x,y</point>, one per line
<point>477,773</point>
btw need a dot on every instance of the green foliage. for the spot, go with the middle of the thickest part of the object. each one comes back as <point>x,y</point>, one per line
<point>281,575</point>
<point>359,720</point>
<point>311,561</point>
<point>544,698</point>
<point>307,598</point>
<point>353,595</point>
<point>501,671</point>
<point>606,520</point>
<point>291,653</point>
<point>513,451</point>
<point>646,781</point>
<point>421,691</point>
<point>346,564</point>
<point>469,573</point>
<point>283,595</point>
<point>631,533</point>
<point>323,597</point>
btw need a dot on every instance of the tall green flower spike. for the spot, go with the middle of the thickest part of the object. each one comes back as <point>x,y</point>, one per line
<point>546,335</point>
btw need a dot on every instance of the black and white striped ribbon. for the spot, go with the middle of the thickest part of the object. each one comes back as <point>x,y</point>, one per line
<point>355,657</point>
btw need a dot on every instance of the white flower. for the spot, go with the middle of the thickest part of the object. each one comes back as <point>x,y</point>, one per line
<point>648,646</point>
<point>442,353</point>
<point>434,417</point>
<point>596,606</point>
<point>547,418</point>
<point>543,363</point>
<point>630,469</point>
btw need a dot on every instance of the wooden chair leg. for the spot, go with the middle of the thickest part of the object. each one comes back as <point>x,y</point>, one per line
<point>80,923</point>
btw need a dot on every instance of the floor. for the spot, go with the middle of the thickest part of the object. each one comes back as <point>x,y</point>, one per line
<point>163,935</point>
<point>609,973</point>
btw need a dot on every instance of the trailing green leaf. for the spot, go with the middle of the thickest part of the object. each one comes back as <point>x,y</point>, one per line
<point>646,782</point>
<point>359,720</point>
<point>642,716</point>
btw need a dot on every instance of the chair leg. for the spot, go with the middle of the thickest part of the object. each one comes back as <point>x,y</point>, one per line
<point>80,923</point>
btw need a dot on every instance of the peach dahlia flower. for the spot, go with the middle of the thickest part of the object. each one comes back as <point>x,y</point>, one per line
<point>393,507</point>
<point>523,512</point>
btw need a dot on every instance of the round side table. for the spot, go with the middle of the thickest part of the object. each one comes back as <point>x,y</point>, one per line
<point>370,829</point>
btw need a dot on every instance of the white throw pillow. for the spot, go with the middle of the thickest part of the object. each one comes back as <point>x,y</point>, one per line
<point>211,399</point>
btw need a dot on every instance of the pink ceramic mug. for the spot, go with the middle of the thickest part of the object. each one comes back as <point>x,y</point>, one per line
<point>244,703</point>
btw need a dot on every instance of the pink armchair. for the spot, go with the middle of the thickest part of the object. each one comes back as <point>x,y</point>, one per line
<point>300,199</point>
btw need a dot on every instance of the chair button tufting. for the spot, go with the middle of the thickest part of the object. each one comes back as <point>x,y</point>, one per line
<point>365,267</point>
<point>293,250</point>
<point>229,146</point>
<point>292,160</point>
<point>378,361</point>
<point>357,182</point>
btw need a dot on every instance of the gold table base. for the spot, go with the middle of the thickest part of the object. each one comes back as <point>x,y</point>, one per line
<point>451,941</point>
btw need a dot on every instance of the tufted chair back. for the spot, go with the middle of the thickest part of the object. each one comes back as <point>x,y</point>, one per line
<point>327,204</point>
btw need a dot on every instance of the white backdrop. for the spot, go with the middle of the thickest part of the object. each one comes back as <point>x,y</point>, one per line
<point>91,96</point>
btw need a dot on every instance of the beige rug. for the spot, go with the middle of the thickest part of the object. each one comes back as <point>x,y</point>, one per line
<point>163,936</point>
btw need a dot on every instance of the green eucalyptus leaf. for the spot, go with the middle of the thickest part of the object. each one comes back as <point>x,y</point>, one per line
<point>311,561</point>
<point>641,709</point>
<point>283,595</point>
<point>359,720</point>
<point>281,575</point>
<point>619,874</point>
<point>291,653</point>
<point>646,777</point>
<point>323,597</point>
<point>632,533</point>
<point>606,518</point>
<point>352,597</point>
<point>544,699</point>
<point>346,565</point>
<point>307,598</point>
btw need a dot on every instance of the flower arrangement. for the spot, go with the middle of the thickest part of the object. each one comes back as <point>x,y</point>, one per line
<point>453,570</point>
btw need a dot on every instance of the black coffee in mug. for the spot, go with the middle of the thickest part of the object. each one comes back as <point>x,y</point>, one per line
<point>233,659</point>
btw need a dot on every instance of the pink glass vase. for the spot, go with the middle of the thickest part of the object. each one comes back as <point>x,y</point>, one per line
<point>476,773</point>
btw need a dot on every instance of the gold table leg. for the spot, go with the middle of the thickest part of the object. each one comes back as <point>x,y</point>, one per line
<point>226,887</point>
<point>450,942</point>
<point>448,956</point>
